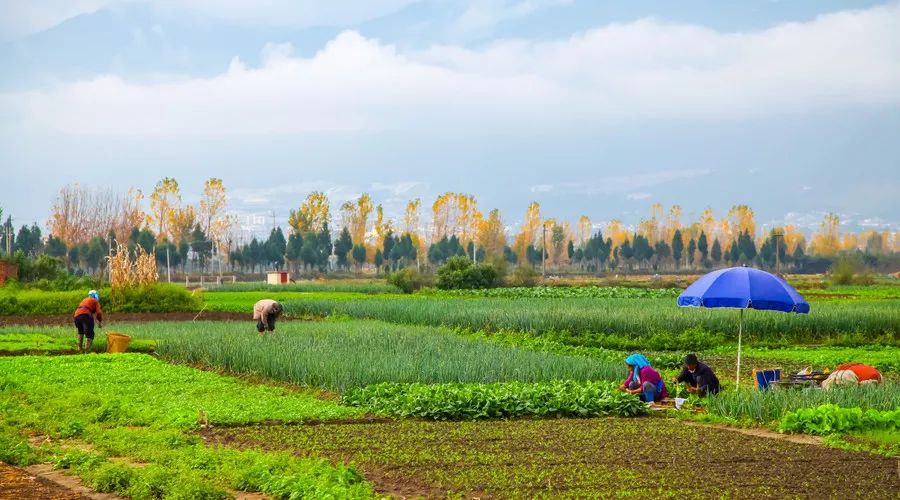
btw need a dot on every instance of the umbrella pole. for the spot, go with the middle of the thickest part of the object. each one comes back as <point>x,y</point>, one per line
<point>737,381</point>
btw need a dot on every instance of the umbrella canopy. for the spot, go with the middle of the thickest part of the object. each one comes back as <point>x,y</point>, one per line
<point>743,288</point>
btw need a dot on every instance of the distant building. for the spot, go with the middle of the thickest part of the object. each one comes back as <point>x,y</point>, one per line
<point>278,277</point>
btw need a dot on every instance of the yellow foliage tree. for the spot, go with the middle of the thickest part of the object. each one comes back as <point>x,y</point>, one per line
<point>827,242</point>
<point>492,234</point>
<point>528,233</point>
<point>585,230</point>
<point>313,214</point>
<point>356,217</point>
<point>213,216</point>
<point>165,199</point>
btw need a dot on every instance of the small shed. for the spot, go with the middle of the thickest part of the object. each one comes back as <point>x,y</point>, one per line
<point>278,277</point>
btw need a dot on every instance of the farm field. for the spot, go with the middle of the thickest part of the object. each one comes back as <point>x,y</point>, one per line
<point>364,391</point>
<point>566,458</point>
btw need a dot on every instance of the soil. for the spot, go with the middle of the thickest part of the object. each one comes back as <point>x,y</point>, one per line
<point>577,458</point>
<point>19,484</point>
<point>113,318</point>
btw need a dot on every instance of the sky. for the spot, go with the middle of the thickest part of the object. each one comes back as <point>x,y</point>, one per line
<point>588,107</point>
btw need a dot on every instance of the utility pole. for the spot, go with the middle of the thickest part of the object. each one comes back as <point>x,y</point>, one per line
<point>776,235</point>
<point>543,250</point>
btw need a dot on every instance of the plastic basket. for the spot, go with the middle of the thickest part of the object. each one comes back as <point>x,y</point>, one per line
<point>117,342</point>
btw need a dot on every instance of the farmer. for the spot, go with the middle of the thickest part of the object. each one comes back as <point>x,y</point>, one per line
<point>84,319</point>
<point>644,380</point>
<point>266,311</point>
<point>699,377</point>
<point>853,373</point>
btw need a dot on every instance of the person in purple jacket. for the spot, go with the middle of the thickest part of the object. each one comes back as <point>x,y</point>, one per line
<point>644,380</point>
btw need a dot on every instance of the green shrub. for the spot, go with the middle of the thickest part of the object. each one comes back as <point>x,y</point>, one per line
<point>408,280</point>
<point>160,297</point>
<point>110,478</point>
<point>14,450</point>
<point>460,273</point>
<point>833,419</point>
<point>454,401</point>
<point>523,276</point>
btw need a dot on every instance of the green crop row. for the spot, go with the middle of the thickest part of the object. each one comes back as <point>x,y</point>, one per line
<point>146,413</point>
<point>339,355</point>
<point>833,419</point>
<point>561,292</point>
<point>453,401</point>
<point>599,322</point>
<point>161,297</point>
<point>772,406</point>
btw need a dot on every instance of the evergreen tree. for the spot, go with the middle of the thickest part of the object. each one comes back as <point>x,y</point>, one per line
<point>677,247</point>
<point>716,251</point>
<point>691,251</point>
<point>342,247</point>
<point>702,246</point>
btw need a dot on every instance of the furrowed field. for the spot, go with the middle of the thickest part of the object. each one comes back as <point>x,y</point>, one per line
<point>363,391</point>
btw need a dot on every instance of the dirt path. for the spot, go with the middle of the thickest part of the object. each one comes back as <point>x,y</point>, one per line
<point>764,433</point>
<point>113,318</point>
<point>25,485</point>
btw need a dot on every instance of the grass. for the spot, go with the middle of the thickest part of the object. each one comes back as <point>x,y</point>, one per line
<point>243,301</point>
<point>354,286</point>
<point>161,297</point>
<point>56,343</point>
<point>97,407</point>
<point>885,358</point>
<point>588,318</point>
<point>342,354</point>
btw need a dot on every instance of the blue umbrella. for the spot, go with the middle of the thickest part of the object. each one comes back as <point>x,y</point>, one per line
<point>743,288</point>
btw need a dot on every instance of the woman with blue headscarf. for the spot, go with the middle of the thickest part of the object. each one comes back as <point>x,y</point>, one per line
<point>643,379</point>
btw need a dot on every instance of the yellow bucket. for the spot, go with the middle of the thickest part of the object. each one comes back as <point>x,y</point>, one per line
<point>117,342</point>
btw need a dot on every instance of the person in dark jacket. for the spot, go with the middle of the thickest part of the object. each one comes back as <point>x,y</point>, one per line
<point>699,377</point>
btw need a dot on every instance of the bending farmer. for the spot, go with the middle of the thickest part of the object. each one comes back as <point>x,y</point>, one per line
<point>266,311</point>
<point>644,380</point>
<point>84,319</point>
<point>699,377</point>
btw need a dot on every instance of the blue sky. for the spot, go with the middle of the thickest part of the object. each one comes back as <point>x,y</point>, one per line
<point>596,108</point>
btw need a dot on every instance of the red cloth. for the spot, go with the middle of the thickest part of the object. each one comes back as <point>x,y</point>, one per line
<point>89,306</point>
<point>863,372</point>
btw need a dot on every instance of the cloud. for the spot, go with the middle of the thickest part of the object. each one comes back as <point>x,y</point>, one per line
<point>636,72</point>
<point>397,188</point>
<point>482,15</point>
<point>23,17</point>
<point>621,183</point>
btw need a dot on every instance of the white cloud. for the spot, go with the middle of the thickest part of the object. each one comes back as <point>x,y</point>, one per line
<point>542,188</point>
<point>645,70</point>
<point>397,188</point>
<point>639,196</point>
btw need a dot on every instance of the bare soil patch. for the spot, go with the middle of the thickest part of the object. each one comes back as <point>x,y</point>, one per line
<point>19,484</point>
<point>577,458</point>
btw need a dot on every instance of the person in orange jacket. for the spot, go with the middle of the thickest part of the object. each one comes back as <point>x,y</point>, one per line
<point>84,320</point>
<point>853,373</point>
